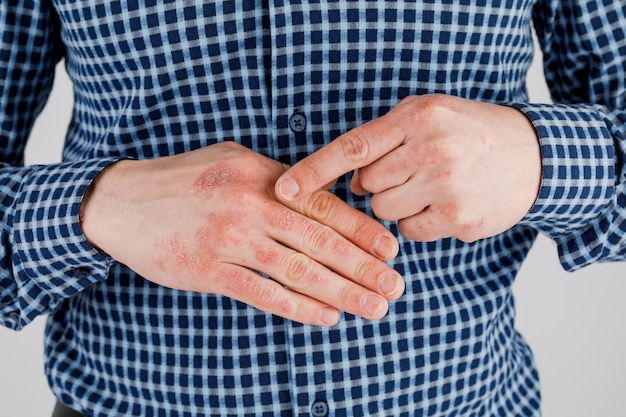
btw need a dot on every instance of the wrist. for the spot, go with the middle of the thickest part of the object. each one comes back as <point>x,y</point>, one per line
<point>101,206</point>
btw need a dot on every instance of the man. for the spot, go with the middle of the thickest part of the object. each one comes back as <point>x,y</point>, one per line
<point>140,242</point>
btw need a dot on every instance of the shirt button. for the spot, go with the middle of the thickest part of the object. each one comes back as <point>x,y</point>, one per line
<point>319,409</point>
<point>297,122</point>
<point>81,273</point>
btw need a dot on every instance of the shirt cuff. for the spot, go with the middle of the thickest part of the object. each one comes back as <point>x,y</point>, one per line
<point>51,249</point>
<point>578,166</point>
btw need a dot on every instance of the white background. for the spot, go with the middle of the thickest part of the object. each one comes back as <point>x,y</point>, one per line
<point>575,322</point>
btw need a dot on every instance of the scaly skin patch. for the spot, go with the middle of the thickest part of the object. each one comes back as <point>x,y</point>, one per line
<point>221,232</point>
<point>214,177</point>
<point>240,283</point>
<point>281,218</point>
<point>182,263</point>
<point>266,256</point>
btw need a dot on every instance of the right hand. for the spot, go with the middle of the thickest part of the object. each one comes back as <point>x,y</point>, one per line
<point>208,219</point>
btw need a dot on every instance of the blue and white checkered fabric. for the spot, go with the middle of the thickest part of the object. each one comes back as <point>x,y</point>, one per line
<point>158,77</point>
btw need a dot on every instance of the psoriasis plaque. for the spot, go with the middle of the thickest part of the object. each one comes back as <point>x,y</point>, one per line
<point>214,177</point>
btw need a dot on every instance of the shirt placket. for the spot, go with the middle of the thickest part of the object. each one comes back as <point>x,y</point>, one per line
<point>292,127</point>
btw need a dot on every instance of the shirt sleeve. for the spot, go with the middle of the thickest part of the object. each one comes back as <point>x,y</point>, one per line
<point>44,256</point>
<point>582,198</point>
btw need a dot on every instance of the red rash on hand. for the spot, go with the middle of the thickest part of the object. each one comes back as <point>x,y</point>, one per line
<point>179,252</point>
<point>214,177</point>
<point>266,257</point>
<point>240,283</point>
<point>176,255</point>
<point>281,218</point>
<point>172,252</point>
<point>220,232</point>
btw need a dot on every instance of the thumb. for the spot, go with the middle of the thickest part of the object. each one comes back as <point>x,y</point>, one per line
<point>355,184</point>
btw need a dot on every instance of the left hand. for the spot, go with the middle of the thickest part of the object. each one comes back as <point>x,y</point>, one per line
<point>440,165</point>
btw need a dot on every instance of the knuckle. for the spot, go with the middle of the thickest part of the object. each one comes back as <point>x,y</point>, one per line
<point>298,268</point>
<point>355,145</point>
<point>364,226</point>
<point>436,105</point>
<point>347,297</point>
<point>380,209</point>
<point>250,288</point>
<point>313,170</point>
<point>236,151</point>
<point>417,231</point>
<point>454,213</point>
<point>265,295</point>
<point>450,184</point>
<point>440,151</point>
<point>365,268</point>
<point>319,238</point>
<point>321,205</point>
<point>408,99</point>
<point>229,146</point>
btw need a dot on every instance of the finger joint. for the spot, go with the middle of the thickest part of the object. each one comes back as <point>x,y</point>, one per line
<point>355,146</point>
<point>298,268</point>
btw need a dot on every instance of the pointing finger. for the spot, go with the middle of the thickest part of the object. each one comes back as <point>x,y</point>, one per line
<point>355,149</point>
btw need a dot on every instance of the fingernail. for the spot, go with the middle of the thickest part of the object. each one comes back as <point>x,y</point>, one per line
<point>372,304</point>
<point>384,247</point>
<point>328,316</point>
<point>289,189</point>
<point>389,283</point>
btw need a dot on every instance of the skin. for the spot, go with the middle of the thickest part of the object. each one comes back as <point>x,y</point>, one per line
<point>440,165</point>
<point>207,220</point>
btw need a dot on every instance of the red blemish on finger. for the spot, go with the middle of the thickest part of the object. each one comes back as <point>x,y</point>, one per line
<point>315,278</point>
<point>240,283</point>
<point>214,177</point>
<point>267,256</point>
<point>284,305</point>
<point>340,248</point>
<point>281,218</point>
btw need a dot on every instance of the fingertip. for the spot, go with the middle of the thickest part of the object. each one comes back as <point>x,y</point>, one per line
<point>328,316</point>
<point>355,184</point>
<point>288,189</point>
<point>385,247</point>
<point>391,285</point>
<point>375,306</point>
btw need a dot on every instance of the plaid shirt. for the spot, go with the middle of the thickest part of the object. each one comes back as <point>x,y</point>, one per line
<point>158,77</point>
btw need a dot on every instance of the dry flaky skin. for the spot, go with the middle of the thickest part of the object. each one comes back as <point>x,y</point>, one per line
<point>439,165</point>
<point>206,220</point>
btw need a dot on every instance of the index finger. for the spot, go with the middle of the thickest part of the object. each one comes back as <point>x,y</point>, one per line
<point>354,149</point>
